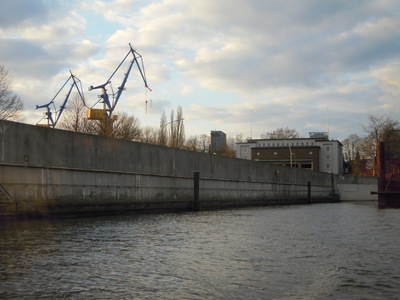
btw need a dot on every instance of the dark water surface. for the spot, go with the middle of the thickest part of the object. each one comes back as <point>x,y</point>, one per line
<point>326,251</point>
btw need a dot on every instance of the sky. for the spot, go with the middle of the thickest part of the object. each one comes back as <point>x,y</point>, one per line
<point>243,67</point>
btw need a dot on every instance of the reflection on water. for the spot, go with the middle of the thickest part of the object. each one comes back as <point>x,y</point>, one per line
<point>327,251</point>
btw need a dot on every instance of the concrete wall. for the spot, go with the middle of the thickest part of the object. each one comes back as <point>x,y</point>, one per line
<point>357,188</point>
<point>46,170</point>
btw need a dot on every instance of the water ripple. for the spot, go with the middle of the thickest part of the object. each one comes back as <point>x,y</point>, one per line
<point>330,251</point>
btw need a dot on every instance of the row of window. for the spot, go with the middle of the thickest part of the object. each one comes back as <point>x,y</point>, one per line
<point>283,144</point>
<point>327,148</point>
<point>293,153</point>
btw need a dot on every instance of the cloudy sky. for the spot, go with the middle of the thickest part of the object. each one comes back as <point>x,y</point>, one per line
<point>243,66</point>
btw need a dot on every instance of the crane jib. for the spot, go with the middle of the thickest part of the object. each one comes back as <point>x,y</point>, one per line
<point>48,115</point>
<point>109,107</point>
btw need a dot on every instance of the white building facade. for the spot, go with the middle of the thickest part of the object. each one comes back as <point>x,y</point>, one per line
<point>293,151</point>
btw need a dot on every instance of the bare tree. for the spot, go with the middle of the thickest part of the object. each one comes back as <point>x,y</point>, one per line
<point>121,126</point>
<point>281,133</point>
<point>177,129</point>
<point>204,143</point>
<point>180,128</point>
<point>75,117</point>
<point>351,147</point>
<point>162,136</point>
<point>10,104</point>
<point>378,128</point>
<point>150,135</point>
<point>104,127</point>
<point>172,137</point>
<point>240,138</point>
<point>230,147</point>
<point>192,143</point>
<point>126,127</point>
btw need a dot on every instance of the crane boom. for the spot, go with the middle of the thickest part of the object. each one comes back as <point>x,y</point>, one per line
<point>109,106</point>
<point>51,122</point>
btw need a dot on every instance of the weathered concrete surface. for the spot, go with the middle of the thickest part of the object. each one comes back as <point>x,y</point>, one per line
<point>357,188</point>
<point>46,171</point>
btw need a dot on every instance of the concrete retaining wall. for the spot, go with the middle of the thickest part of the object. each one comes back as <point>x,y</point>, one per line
<point>357,188</point>
<point>46,171</point>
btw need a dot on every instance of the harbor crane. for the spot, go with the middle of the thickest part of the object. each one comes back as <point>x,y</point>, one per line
<point>52,122</point>
<point>110,100</point>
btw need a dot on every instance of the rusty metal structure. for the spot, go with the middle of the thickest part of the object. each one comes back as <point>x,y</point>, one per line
<point>388,163</point>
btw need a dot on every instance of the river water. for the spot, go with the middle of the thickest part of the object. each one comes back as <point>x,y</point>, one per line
<point>322,251</point>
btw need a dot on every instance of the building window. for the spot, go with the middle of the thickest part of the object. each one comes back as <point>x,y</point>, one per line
<point>277,144</point>
<point>245,150</point>
<point>328,157</point>
<point>328,166</point>
<point>327,148</point>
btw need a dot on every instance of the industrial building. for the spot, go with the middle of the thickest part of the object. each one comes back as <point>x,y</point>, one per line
<point>218,141</point>
<point>315,153</point>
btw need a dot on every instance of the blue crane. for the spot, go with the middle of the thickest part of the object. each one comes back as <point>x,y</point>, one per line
<point>110,100</point>
<point>52,122</point>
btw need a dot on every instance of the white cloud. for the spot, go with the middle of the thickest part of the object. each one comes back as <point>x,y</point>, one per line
<point>296,62</point>
<point>254,45</point>
<point>388,77</point>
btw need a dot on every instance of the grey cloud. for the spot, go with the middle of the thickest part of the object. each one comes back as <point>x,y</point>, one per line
<point>301,56</point>
<point>15,12</point>
<point>33,58</point>
<point>72,51</point>
<point>28,58</point>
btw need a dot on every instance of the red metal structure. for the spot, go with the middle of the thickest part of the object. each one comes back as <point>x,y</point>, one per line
<point>388,160</point>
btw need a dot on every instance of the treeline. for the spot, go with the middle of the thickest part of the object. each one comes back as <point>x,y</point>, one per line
<point>171,131</point>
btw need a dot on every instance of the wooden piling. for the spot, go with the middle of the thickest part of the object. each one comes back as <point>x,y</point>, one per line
<point>196,189</point>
